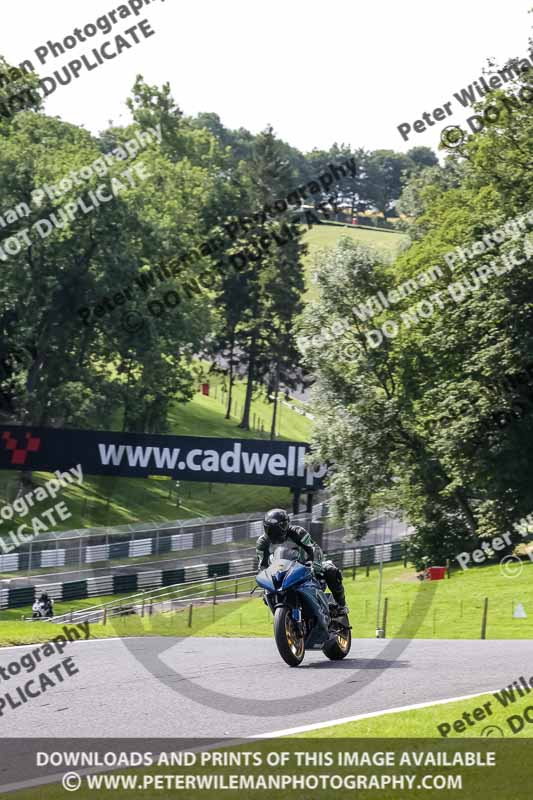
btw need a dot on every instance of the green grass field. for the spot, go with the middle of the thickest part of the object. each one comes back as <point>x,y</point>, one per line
<point>448,609</point>
<point>320,236</point>
<point>424,722</point>
<point>118,501</point>
<point>324,237</point>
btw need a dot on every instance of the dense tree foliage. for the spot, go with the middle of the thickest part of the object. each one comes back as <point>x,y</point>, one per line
<point>73,354</point>
<point>435,418</point>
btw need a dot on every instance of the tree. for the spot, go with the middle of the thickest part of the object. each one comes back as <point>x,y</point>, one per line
<point>422,189</point>
<point>422,157</point>
<point>343,187</point>
<point>418,418</point>
<point>75,374</point>
<point>270,281</point>
<point>385,174</point>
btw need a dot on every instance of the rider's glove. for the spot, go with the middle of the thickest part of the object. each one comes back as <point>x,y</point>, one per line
<point>310,553</point>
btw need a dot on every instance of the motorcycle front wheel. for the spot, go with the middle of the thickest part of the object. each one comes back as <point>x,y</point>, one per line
<point>289,639</point>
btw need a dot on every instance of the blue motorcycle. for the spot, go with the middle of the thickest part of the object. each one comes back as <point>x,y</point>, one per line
<point>305,615</point>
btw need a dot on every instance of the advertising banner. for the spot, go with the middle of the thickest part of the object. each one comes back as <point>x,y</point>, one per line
<point>137,455</point>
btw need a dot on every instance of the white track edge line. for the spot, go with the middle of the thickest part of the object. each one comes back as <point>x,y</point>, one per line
<point>355,718</point>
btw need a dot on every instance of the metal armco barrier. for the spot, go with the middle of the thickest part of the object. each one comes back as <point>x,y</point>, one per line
<point>139,581</point>
<point>63,551</point>
<point>98,549</point>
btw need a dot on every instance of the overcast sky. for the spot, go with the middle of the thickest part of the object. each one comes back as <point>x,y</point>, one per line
<point>345,71</point>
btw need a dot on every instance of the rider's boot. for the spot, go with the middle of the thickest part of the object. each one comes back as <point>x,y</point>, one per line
<point>333,577</point>
<point>340,598</point>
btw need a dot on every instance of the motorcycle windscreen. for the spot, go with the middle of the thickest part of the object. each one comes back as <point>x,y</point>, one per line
<point>280,561</point>
<point>284,554</point>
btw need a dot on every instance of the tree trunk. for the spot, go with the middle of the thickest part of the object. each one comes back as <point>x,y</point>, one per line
<point>465,508</point>
<point>245,421</point>
<point>275,409</point>
<point>125,419</point>
<point>230,375</point>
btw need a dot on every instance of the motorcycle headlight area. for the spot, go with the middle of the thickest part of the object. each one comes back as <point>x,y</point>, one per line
<point>278,577</point>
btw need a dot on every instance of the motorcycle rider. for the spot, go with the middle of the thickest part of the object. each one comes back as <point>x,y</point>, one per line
<point>278,530</point>
<point>36,610</point>
<point>47,605</point>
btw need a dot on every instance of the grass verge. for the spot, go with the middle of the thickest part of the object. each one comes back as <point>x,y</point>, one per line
<point>496,716</point>
<point>448,609</point>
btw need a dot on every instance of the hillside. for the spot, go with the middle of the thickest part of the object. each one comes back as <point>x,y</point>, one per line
<point>119,501</point>
<point>321,237</point>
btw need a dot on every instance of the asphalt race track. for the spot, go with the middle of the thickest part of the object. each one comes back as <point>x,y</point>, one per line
<point>162,687</point>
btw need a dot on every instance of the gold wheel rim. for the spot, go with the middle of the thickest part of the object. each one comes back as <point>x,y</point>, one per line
<point>296,643</point>
<point>342,641</point>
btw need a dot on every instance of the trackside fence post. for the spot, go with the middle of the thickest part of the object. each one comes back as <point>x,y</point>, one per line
<point>385,610</point>
<point>484,620</point>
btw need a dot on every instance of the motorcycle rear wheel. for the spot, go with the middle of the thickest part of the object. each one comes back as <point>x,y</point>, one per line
<point>339,647</point>
<point>289,640</point>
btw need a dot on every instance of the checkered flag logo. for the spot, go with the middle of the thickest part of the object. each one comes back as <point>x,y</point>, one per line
<point>19,454</point>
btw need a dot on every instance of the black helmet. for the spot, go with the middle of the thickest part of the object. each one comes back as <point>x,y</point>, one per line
<point>275,524</point>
